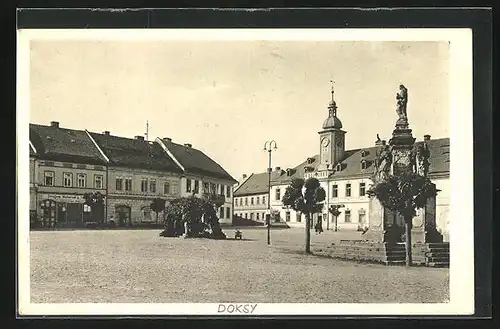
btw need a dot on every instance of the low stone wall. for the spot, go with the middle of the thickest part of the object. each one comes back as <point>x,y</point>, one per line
<point>429,254</point>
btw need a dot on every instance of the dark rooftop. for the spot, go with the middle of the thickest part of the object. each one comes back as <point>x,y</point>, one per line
<point>134,153</point>
<point>351,166</point>
<point>66,145</point>
<point>195,161</point>
<point>256,183</point>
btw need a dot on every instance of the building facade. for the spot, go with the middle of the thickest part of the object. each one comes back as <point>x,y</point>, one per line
<point>67,164</point>
<point>346,176</point>
<point>202,176</point>
<point>138,171</point>
<point>251,198</point>
<point>67,167</point>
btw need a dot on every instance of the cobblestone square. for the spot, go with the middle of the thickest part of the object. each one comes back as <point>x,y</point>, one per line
<point>127,266</point>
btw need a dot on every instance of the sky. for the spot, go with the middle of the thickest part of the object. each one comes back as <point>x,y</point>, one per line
<point>227,98</point>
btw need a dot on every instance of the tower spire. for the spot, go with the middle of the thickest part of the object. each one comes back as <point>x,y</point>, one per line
<point>332,107</point>
<point>147,130</point>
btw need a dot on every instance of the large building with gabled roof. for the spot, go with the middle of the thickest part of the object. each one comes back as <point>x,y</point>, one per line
<point>67,163</point>
<point>202,176</point>
<point>346,176</point>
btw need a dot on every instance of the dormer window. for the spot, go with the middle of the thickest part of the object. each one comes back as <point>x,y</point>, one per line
<point>310,160</point>
<point>288,172</point>
<point>338,167</point>
<point>364,153</point>
<point>364,164</point>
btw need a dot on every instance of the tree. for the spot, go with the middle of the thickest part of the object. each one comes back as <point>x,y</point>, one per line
<point>334,210</point>
<point>404,194</point>
<point>305,197</point>
<point>96,202</point>
<point>158,205</point>
<point>197,215</point>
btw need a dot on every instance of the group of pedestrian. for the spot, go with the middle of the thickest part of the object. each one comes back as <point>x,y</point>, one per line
<point>319,226</point>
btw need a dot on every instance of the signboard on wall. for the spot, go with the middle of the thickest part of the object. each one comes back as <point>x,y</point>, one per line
<point>69,198</point>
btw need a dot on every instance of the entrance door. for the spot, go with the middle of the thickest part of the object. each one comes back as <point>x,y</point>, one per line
<point>123,214</point>
<point>48,213</point>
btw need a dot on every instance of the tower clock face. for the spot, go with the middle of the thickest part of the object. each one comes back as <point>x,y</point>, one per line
<point>325,142</point>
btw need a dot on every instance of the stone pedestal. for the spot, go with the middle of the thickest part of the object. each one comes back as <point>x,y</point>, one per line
<point>382,224</point>
<point>424,224</point>
<point>402,145</point>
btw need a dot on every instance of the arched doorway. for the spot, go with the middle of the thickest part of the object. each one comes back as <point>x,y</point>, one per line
<point>123,215</point>
<point>49,216</point>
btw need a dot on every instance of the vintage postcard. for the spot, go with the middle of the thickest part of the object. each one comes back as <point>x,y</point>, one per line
<point>245,172</point>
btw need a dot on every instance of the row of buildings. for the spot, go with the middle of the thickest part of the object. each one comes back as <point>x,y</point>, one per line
<point>344,174</point>
<point>65,164</point>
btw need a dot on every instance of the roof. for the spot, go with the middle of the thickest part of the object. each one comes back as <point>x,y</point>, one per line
<point>256,184</point>
<point>134,153</point>
<point>66,145</point>
<point>351,164</point>
<point>196,162</point>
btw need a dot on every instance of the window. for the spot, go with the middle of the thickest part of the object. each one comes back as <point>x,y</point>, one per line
<point>128,184</point>
<point>166,188</point>
<point>206,188</point>
<point>362,189</point>
<point>264,200</point>
<point>119,184</point>
<point>347,189</point>
<point>82,180</point>
<point>196,186</point>
<point>174,189</point>
<point>363,164</point>
<point>98,181</point>
<point>188,185</point>
<point>347,217</point>
<point>152,186</point>
<point>221,212</point>
<point>258,200</point>
<point>228,191</point>
<point>299,217</point>
<point>246,201</point>
<point>246,215</point>
<point>251,201</point>
<point>49,178</point>
<point>144,185</point>
<point>228,212</point>
<point>251,215</point>
<point>287,216</point>
<point>257,218</point>
<point>213,188</point>
<point>68,179</point>
<point>335,191</point>
<point>278,194</point>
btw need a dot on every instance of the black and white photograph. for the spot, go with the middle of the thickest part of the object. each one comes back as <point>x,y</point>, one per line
<point>245,172</point>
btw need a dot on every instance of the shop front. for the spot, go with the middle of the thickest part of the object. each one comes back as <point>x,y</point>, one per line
<point>60,210</point>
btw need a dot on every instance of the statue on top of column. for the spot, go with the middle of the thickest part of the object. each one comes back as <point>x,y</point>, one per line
<point>402,101</point>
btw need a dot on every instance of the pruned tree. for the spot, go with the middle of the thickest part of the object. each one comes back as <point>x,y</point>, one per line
<point>96,202</point>
<point>192,216</point>
<point>404,194</point>
<point>306,197</point>
<point>157,206</point>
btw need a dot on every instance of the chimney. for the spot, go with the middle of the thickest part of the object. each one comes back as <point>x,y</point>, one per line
<point>383,142</point>
<point>188,145</point>
<point>139,137</point>
<point>106,133</point>
<point>379,142</point>
<point>244,176</point>
<point>54,124</point>
<point>427,137</point>
<point>277,168</point>
<point>168,139</point>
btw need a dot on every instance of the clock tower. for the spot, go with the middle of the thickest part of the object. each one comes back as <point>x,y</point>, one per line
<point>332,139</point>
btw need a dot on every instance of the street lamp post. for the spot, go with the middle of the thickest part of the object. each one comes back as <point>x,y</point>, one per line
<point>334,210</point>
<point>269,146</point>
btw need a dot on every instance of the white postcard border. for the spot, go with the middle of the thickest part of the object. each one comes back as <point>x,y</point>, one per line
<point>461,169</point>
